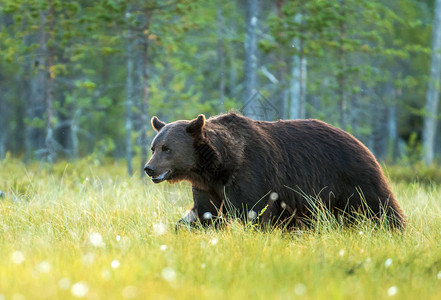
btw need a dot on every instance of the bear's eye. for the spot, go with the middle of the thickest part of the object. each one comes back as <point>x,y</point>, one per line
<point>165,149</point>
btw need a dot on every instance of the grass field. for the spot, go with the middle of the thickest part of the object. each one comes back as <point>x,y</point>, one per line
<point>91,232</point>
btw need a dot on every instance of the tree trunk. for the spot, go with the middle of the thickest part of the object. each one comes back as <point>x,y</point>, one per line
<point>282,91</point>
<point>2,146</point>
<point>232,70</point>
<point>432,96</point>
<point>379,132</point>
<point>129,99</point>
<point>354,114</point>
<point>298,88</point>
<point>3,127</point>
<point>221,57</point>
<point>26,98</point>
<point>144,110</point>
<point>392,127</point>
<point>298,79</point>
<point>4,112</point>
<point>35,106</point>
<point>250,104</point>
<point>341,78</point>
<point>144,86</point>
<point>74,127</point>
<point>392,131</point>
<point>49,142</point>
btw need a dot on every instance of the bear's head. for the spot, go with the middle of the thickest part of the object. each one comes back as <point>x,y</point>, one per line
<point>174,153</point>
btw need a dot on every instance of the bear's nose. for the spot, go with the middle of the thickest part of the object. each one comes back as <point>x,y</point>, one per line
<point>148,170</point>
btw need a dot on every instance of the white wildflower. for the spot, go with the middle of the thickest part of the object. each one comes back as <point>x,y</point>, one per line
<point>79,289</point>
<point>159,228</point>
<point>96,239</point>
<point>106,274</point>
<point>388,262</point>
<point>252,215</point>
<point>274,196</point>
<point>88,258</point>
<point>115,264</point>
<point>168,274</point>
<point>44,267</point>
<point>207,215</point>
<point>299,289</point>
<point>64,283</point>
<point>17,257</point>
<point>392,291</point>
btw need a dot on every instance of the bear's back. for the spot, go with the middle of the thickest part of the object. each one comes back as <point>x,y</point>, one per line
<point>308,156</point>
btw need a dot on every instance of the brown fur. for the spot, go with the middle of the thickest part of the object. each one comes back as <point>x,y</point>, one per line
<point>234,163</point>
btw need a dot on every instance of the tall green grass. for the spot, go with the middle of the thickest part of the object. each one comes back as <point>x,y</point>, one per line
<point>91,232</point>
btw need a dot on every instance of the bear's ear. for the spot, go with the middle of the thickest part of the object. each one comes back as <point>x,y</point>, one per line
<point>157,124</point>
<point>196,125</point>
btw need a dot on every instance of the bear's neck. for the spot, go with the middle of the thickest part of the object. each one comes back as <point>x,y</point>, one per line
<point>214,166</point>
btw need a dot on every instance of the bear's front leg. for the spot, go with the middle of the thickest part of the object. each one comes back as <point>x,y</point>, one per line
<point>189,220</point>
<point>205,209</point>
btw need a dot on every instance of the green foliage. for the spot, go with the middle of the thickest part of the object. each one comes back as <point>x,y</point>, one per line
<point>415,173</point>
<point>345,42</point>
<point>359,53</point>
<point>413,150</point>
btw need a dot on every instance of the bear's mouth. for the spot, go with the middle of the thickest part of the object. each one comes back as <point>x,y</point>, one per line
<point>160,178</point>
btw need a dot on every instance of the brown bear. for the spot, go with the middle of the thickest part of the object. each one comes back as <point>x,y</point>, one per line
<point>272,173</point>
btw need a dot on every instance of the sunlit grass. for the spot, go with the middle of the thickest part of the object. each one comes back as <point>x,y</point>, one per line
<point>91,232</point>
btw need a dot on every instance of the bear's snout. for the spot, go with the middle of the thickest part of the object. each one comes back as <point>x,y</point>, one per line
<point>149,171</point>
<point>153,173</point>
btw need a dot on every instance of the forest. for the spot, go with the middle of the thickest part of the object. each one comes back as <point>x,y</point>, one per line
<point>80,81</point>
<point>83,78</point>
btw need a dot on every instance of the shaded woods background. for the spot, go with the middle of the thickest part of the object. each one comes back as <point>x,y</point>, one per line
<point>82,78</point>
